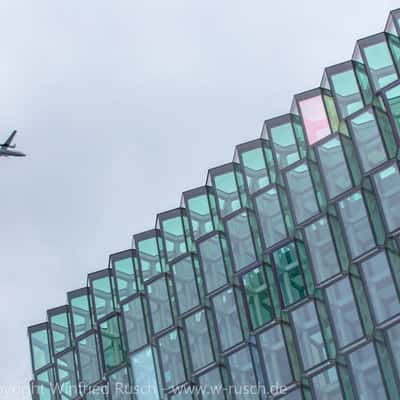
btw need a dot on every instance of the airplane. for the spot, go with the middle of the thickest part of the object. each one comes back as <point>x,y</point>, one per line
<point>4,148</point>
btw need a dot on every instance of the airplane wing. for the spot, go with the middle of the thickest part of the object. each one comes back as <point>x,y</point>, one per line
<point>10,139</point>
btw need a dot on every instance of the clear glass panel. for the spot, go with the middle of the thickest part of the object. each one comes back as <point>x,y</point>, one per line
<point>387,184</point>
<point>67,377</point>
<point>243,375</point>
<point>257,297</point>
<point>380,286</point>
<point>160,307</point>
<point>241,241</point>
<point>227,318</point>
<point>120,387</point>
<point>200,215</point>
<point>81,315</point>
<point>145,375</point>
<point>59,325</point>
<point>171,359</point>
<point>40,348</point>
<point>184,277</point>
<point>227,193</point>
<point>212,386</point>
<point>334,167</point>
<point>380,64</point>
<point>102,296</point>
<point>284,145</point>
<point>112,345</point>
<point>301,191</point>
<point>368,140</point>
<point>344,312</point>
<point>326,385</point>
<point>288,270</point>
<point>255,169</point>
<point>198,338</point>
<point>275,356</point>
<point>125,277</point>
<point>212,263</point>
<point>309,336</point>
<point>271,220</point>
<point>315,120</point>
<point>174,235</point>
<point>356,224</point>
<point>366,373</point>
<point>89,360</point>
<point>150,261</point>
<point>135,324</point>
<point>324,260</point>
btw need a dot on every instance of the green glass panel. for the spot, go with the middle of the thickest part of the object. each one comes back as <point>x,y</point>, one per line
<point>200,215</point>
<point>380,64</point>
<point>119,385</point>
<point>356,224</point>
<point>334,167</point>
<point>45,385</point>
<point>126,279</point>
<point>227,319</point>
<point>199,341</point>
<point>145,375</point>
<point>159,302</point>
<point>387,184</point>
<point>362,77</point>
<point>240,241</point>
<point>212,263</point>
<point>212,385</point>
<point>310,341</point>
<point>112,345</point>
<point>326,385</point>
<point>257,297</point>
<point>270,216</point>
<point>284,145</point>
<point>67,378</point>
<point>288,270</point>
<point>59,325</point>
<point>40,348</point>
<point>149,256</point>
<point>346,92</point>
<point>135,324</point>
<point>255,169</point>
<point>185,282</point>
<point>393,98</point>
<point>171,359</point>
<point>81,315</point>
<point>227,193</point>
<point>368,140</point>
<point>89,360</point>
<point>301,192</point>
<point>103,296</point>
<point>174,236</point>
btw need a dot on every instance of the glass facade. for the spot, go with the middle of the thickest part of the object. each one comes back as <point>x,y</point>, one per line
<point>277,279</point>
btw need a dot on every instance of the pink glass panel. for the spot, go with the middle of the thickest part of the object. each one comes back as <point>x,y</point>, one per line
<point>315,120</point>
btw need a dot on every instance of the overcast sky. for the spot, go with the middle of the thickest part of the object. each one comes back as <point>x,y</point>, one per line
<point>121,106</point>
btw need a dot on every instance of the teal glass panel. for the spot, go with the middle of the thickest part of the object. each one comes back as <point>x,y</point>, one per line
<point>393,335</point>
<point>378,279</point>
<point>310,341</point>
<point>243,375</point>
<point>187,292</point>
<point>89,360</point>
<point>120,387</point>
<point>144,371</point>
<point>199,340</point>
<point>40,348</point>
<point>227,319</point>
<point>102,296</point>
<point>289,274</point>
<point>45,385</point>
<point>346,92</point>
<point>366,373</point>
<point>257,297</point>
<point>271,219</point>
<point>60,331</point>
<point>212,263</point>
<point>174,236</point>
<point>324,260</point>
<point>149,256</point>
<point>135,324</point>
<point>334,168</point>
<point>275,357</point>
<point>344,312</point>
<point>241,241</point>
<point>301,192</point>
<point>255,169</point>
<point>211,385</point>
<point>284,144</point>
<point>111,343</point>
<point>97,393</point>
<point>124,270</point>
<point>393,98</point>
<point>200,216</point>
<point>227,192</point>
<point>380,64</point>
<point>160,306</point>
<point>368,140</point>
<point>171,359</point>
<point>387,183</point>
<point>67,377</point>
<point>326,385</point>
<point>80,314</point>
<point>353,212</point>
